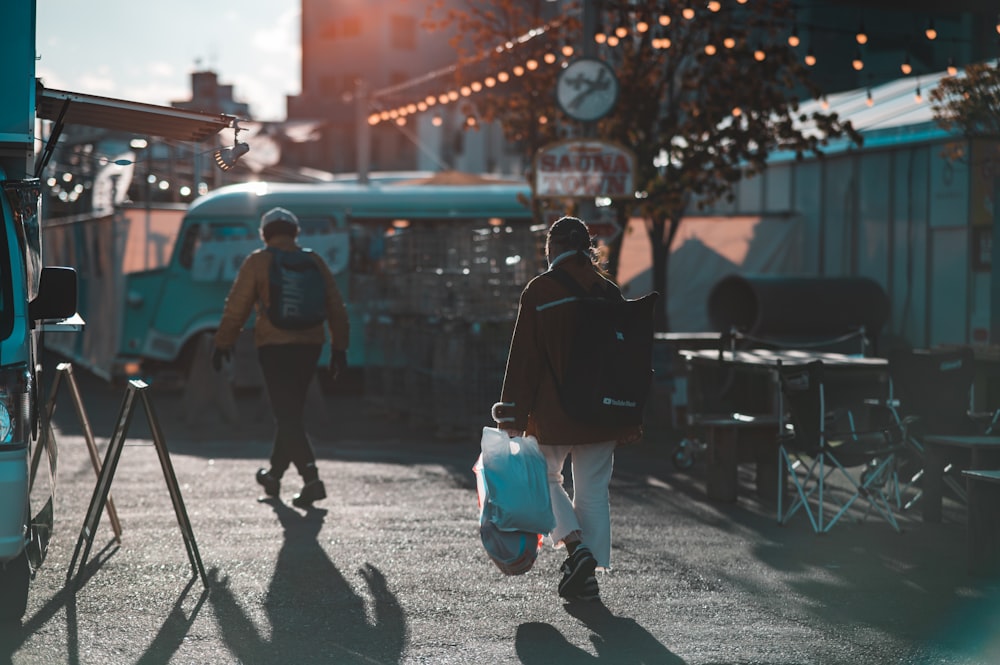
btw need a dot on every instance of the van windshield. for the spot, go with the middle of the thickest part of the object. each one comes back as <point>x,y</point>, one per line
<point>19,233</point>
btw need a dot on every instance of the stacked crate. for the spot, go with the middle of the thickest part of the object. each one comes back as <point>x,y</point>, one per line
<point>449,304</point>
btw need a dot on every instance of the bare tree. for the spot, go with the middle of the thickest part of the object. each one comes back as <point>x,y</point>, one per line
<point>707,95</point>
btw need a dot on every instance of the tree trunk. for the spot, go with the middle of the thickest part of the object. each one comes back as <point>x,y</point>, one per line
<point>661,235</point>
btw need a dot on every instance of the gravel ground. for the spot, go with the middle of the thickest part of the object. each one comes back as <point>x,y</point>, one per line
<point>389,568</point>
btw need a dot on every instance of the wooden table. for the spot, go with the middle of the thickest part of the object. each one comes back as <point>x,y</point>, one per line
<point>983,453</point>
<point>745,428</point>
<point>984,521</point>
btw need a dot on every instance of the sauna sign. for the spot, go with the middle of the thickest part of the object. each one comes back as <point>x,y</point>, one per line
<point>585,168</point>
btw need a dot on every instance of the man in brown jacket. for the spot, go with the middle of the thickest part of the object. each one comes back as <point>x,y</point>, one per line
<point>530,405</point>
<point>287,357</point>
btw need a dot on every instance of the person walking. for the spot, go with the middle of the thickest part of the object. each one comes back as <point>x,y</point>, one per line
<point>288,347</point>
<point>530,405</point>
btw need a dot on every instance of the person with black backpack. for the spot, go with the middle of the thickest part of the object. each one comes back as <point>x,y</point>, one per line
<point>293,293</point>
<point>578,371</point>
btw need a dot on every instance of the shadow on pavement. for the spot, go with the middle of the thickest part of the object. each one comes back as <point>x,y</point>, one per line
<point>315,616</point>
<point>618,640</point>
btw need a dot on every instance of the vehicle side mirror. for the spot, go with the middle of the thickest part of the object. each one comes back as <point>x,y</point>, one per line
<point>56,295</point>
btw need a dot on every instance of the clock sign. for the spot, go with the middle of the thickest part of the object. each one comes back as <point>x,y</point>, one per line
<point>587,89</point>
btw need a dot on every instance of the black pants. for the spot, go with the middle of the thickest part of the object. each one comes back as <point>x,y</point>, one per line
<point>288,369</point>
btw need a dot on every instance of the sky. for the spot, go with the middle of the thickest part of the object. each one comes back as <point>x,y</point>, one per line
<point>145,51</point>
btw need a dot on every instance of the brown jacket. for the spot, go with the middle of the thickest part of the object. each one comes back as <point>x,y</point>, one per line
<point>538,349</point>
<point>250,292</point>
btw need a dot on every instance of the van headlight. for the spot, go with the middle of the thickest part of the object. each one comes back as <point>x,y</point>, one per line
<point>15,406</point>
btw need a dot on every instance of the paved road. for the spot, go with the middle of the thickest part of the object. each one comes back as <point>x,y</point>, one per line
<point>389,568</point>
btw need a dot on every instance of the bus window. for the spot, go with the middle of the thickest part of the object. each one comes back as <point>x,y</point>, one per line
<point>195,234</point>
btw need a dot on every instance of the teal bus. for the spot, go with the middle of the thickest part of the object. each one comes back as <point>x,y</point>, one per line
<point>386,241</point>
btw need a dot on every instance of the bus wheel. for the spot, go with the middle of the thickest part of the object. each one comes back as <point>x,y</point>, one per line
<point>14,578</point>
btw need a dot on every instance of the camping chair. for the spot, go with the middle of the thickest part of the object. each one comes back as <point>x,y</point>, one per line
<point>932,393</point>
<point>822,443</point>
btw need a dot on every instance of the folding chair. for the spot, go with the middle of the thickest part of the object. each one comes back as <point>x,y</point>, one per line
<point>932,393</point>
<point>821,443</point>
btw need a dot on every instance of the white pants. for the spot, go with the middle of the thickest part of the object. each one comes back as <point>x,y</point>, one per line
<point>589,511</point>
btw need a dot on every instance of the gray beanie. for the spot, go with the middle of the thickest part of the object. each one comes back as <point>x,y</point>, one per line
<point>283,220</point>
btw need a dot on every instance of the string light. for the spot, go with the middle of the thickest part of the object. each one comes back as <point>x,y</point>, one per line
<point>642,25</point>
<point>687,13</point>
<point>868,99</point>
<point>857,62</point>
<point>918,98</point>
<point>729,42</point>
<point>714,6</point>
<point>612,40</point>
<point>759,55</point>
<point>710,49</point>
<point>952,69</point>
<point>930,32</point>
<point>906,67</point>
<point>810,58</point>
<point>737,111</point>
<point>567,50</point>
<point>664,20</point>
<point>793,39</point>
<point>861,36</point>
<point>621,32</point>
<point>825,103</point>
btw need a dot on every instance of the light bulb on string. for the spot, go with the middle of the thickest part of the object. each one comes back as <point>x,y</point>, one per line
<point>729,42</point>
<point>549,58</point>
<point>868,98</point>
<point>917,97</point>
<point>858,63</point>
<point>710,49</point>
<point>810,58</point>
<point>567,50</point>
<point>906,67</point>
<point>930,32</point>
<point>952,69</point>
<point>759,55</point>
<point>612,40</point>
<point>531,65</point>
<point>861,36</point>
<point>642,26</point>
<point>664,20</point>
<point>793,38</point>
<point>687,13</point>
<point>621,32</point>
<point>714,6</point>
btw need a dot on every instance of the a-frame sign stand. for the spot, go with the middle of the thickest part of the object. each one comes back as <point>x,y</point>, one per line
<point>136,390</point>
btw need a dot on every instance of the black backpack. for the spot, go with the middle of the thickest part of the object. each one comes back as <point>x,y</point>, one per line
<point>609,368</point>
<point>297,289</point>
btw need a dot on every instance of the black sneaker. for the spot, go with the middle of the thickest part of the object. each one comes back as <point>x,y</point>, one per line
<point>311,491</point>
<point>576,570</point>
<point>270,483</point>
<point>589,591</point>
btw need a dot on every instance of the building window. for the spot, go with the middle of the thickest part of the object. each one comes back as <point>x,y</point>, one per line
<point>403,32</point>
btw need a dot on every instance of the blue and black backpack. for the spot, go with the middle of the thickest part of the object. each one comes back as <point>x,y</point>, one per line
<point>297,289</point>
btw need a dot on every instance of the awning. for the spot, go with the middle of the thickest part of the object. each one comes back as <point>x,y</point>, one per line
<point>74,108</point>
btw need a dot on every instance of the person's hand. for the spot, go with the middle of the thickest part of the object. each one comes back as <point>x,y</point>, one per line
<point>338,362</point>
<point>220,356</point>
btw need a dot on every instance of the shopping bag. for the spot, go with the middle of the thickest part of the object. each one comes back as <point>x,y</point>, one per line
<point>511,478</point>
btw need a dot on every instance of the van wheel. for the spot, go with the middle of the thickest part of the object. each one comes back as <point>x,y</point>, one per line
<point>14,578</point>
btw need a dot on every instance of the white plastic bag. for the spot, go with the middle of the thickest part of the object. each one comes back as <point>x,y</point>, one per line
<point>511,477</point>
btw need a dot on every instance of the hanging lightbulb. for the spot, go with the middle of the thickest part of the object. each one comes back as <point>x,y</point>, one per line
<point>952,69</point>
<point>612,40</point>
<point>868,100</point>
<point>810,58</point>
<point>917,97</point>
<point>759,55</point>
<point>664,20</point>
<point>687,13</point>
<point>737,111</point>
<point>599,35</point>
<point>642,26</point>
<point>531,64</point>
<point>374,119</point>
<point>906,67</point>
<point>714,5</point>
<point>710,49</point>
<point>621,32</point>
<point>567,50</point>
<point>858,63</point>
<point>861,36</point>
<point>931,32</point>
<point>729,42</point>
<point>793,39</point>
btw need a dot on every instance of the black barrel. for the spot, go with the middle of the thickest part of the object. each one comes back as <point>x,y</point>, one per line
<point>770,305</point>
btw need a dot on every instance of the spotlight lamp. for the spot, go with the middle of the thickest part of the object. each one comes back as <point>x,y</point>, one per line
<point>226,158</point>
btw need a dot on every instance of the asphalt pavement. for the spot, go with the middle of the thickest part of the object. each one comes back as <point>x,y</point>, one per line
<point>389,568</point>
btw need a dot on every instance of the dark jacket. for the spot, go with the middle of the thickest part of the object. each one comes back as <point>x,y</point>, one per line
<point>538,353</point>
<point>251,292</point>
